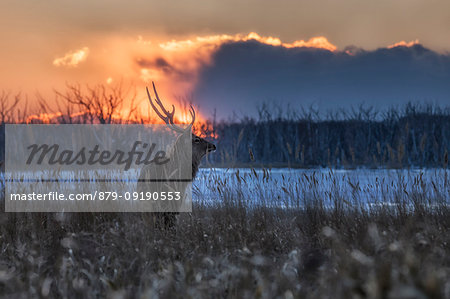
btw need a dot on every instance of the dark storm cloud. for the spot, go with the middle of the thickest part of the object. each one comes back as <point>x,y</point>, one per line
<point>245,74</point>
<point>159,62</point>
<point>163,66</point>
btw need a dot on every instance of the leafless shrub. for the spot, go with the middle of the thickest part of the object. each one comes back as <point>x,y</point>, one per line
<point>99,104</point>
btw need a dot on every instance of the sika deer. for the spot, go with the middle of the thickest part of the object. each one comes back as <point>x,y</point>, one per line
<point>200,148</point>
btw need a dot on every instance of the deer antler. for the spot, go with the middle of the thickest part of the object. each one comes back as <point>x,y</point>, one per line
<point>168,118</point>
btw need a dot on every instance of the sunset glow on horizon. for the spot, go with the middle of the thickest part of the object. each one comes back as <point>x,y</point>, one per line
<point>51,44</point>
<point>173,64</point>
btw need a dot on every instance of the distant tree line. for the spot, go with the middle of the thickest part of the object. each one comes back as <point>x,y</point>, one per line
<point>414,135</point>
<point>411,136</point>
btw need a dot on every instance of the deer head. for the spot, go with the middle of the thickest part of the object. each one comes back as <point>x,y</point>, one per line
<point>200,146</point>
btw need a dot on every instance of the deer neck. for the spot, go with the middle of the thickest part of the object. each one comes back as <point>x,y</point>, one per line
<point>181,155</point>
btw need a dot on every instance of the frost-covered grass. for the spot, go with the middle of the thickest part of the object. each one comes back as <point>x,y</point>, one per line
<point>252,233</point>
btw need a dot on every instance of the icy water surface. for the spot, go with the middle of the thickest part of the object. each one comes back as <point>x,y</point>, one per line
<point>297,187</point>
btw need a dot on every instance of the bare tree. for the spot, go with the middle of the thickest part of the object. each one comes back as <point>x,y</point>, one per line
<point>7,107</point>
<point>99,103</point>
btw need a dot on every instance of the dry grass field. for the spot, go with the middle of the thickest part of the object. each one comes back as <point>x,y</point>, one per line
<point>228,249</point>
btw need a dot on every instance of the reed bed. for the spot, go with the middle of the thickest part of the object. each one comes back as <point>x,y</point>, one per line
<point>251,234</point>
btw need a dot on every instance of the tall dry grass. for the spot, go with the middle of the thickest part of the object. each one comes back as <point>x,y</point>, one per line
<point>229,248</point>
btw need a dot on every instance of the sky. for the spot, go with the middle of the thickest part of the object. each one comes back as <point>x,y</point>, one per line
<point>232,55</point>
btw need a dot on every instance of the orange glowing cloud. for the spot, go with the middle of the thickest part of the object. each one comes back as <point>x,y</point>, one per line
<point>404,44</point>
<point>319,42</point>
<point>73,58</point>
<point>212,41</point>
<point>45,118</point>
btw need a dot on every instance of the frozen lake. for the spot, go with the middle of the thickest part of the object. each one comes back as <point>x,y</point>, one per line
<point>299,187</point>
<point>296,187</point>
